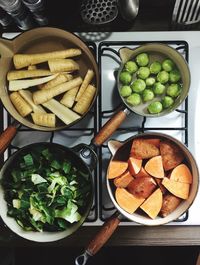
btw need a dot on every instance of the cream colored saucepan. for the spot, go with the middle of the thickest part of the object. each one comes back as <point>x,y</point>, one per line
<point>156,52</point>
<point>39,40</point>
<point>121,152</point>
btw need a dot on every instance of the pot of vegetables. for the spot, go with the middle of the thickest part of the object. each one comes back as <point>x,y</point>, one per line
<point>46,190</point>
<point>153,80</point>
<point>49,80</point>
<point>152,179</point>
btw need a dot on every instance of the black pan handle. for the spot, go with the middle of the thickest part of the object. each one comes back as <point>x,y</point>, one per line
<point>7,136</point>
<point>87,154</point>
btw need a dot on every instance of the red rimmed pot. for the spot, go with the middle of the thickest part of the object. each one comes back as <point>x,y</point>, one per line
<point>120,152</point>
<point>81,156</point>
<point>45,39</point>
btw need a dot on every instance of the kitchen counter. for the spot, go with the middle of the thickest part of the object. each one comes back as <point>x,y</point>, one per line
<point>124,236</point>
<point>152,16</point>
<point>173,235</point>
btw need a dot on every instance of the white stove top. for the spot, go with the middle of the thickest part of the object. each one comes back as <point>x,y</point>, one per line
<point>193,40</point>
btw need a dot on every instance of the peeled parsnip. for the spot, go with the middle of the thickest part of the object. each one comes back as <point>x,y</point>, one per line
<point>28,97</point>
<point>20,74</point>
<point>61,78</point>
<point>86,81</point>
<point>44,95</point>
<point>23,60</point>
<point>44,119</point>
<point>32,67</point>
<point>85,100</point>
<point>69,97</point>
<point>20,104</point>
<point>62,65</point>
<point>63,113</point>
<point>15,85</point>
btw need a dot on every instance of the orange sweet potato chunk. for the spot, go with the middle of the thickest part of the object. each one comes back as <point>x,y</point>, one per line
<point>153,204</point>
<point>153,141</point>
<point>154,167</point>
<point>142,149</point>
<point>127,201</point>
<point>178,189</point>
<point>181,173</point>
<point>134,165</point>
<point>123,180</point>
<point>142,173</point>
<point>170,203</point>
<point>116,168</point>
<point>142,187</point>
<point>162,188</point>
<point>171,154</point>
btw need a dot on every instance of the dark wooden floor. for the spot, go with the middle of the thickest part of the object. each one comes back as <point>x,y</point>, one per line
<point>107,256</point>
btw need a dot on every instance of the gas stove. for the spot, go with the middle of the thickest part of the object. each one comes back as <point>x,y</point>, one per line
<point>181,124</point>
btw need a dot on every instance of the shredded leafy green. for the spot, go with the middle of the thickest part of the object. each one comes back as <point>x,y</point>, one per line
<point>45,191</point>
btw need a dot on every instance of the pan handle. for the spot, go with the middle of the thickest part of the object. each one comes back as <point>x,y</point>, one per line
<point>100,239</point>
<point>7,136</point>
<point>110,127</point>
<point>87,154</point>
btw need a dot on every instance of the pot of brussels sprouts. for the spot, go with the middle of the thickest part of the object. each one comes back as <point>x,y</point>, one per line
<point>46,190</point>
<point>153,80</point>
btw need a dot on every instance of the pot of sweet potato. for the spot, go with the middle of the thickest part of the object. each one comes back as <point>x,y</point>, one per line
<point>152,179</point>
<point>49,80</point>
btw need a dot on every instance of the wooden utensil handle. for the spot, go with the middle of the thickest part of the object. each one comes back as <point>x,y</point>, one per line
<point>6,137</point>
<point>103,235</point>
<point>110,127</point>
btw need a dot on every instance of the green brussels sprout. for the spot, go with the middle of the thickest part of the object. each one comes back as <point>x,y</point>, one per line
<point>142,59</point>
<point>138,85</point>
<point>125,77</point>
<point>125,91</point>
<point>174,76</point>
<point>155,67</point>
<point>147,95</point>
<point>163,77</point>
<point>158,88</point>
<point>131,67</point>
<point>134,99</point>
<point>155,107</point>
<point>167,102</point>
<point>150,81</point>
<point>173,90</point>
<point>168,65</point>
<point>143,72</point>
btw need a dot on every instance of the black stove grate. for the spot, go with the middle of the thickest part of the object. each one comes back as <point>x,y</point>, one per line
<point>99,115</point>
<point>112,47</point>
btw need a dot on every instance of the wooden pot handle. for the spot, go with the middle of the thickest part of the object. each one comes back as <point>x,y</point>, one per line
<point>7,136</point>
<point>103,235</point>
<point>100,239</point>
<point>110,127</point>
